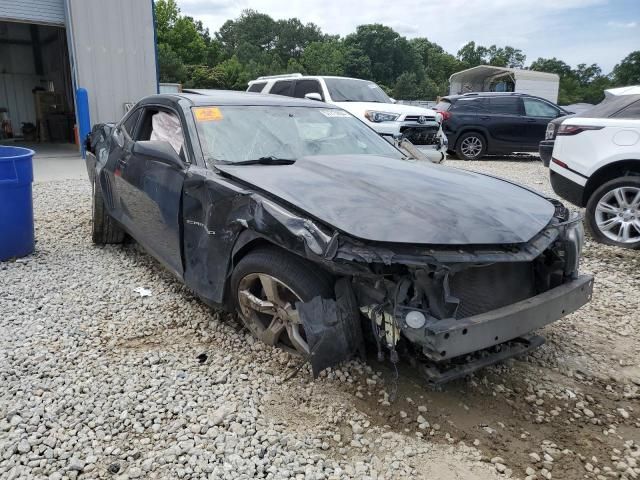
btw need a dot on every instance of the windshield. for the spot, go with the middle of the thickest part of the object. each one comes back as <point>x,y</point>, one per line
<point>352,90</point>
<point>234,134</point>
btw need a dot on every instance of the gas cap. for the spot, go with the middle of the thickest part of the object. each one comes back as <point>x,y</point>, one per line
<point>626,138</point>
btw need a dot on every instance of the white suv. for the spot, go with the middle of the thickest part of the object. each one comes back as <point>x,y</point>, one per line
<point>596,164</point>
<point>366,101</point>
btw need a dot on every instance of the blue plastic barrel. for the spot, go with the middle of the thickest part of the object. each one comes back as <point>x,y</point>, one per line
<point>16,204</point>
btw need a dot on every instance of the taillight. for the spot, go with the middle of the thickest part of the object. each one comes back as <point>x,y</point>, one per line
<point>446,115</point>
<point>559,162</point>
<point>568,129</point>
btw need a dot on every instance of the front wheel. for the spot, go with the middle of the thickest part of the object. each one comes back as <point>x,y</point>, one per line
<point>471,146</point>
<point>265,286</point>
<point>613,213</point>
<point>104,229</point>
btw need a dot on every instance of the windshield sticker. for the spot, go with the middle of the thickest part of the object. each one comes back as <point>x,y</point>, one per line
<point>207,114</point>
<point>334,113</point>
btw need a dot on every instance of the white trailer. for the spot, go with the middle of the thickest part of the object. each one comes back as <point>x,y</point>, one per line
<point>487,78</point>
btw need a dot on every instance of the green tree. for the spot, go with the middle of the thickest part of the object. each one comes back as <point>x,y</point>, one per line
<point>388,52</point>
<point>254,44</point>
<point>471,55</point>
<point>627,72</point>
<point>172,70</point>
<point>252,28</point>
<point>406,87</point>
<point>203,76</point>
<point>324,58</point>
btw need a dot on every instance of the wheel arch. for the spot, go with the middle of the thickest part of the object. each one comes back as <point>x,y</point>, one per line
<point>248,241</point>
<point>620,168</point>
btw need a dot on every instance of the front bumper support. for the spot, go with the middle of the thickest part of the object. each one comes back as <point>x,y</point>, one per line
<point>450,338</point>
<point>439,373</point>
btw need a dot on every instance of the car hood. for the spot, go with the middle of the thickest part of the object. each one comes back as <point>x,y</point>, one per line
<point>390,200</point>
<point>358,108</point>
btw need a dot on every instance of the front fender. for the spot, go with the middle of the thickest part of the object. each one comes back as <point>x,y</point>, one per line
<point>220,218</point>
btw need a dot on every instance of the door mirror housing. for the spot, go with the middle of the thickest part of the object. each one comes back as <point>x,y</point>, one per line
<point>158,151</point>
<point>393,100</point>
<point>313,96</point>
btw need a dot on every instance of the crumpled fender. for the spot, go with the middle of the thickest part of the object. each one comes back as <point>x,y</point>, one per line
<point>220,217</point>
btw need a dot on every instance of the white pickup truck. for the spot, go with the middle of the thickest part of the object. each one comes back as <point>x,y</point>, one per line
<point>368,102</point>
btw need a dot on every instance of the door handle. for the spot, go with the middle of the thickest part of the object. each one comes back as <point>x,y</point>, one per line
<point>484,117</point>
<point>531,120</point>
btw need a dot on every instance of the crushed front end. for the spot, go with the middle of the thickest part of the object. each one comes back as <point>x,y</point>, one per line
<point>459,309</point>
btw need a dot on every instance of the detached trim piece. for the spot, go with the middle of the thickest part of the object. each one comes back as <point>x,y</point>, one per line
<point>451,338</point>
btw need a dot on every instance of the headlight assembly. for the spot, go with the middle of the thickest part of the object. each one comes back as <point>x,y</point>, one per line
<point>378,117</point>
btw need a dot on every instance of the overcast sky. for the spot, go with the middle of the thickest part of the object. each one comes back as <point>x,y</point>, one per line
<point>576,31</point>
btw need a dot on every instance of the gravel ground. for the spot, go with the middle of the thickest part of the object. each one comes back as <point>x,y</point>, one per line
<point>97,381</point>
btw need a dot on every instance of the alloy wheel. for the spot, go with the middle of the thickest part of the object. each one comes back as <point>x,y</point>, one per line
<point>471,147</point>
<point>267,308</point>
<point>617,215</point>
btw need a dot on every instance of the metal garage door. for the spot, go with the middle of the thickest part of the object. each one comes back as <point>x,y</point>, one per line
<point>33,11</point>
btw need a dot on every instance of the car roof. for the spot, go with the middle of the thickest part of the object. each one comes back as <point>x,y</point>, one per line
<point>609,106</point>
<point>487,94</point>
<point>297,76</point>
<point>204,97</point>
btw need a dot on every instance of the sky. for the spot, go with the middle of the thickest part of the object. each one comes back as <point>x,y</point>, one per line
<point>576,31</point>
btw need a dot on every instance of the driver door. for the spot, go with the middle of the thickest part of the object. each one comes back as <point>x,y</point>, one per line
<point>151,193</point>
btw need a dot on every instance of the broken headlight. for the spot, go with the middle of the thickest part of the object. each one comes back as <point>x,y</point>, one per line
<point>574,240</point>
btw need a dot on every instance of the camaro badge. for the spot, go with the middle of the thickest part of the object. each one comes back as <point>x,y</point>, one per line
<point>200,224</point>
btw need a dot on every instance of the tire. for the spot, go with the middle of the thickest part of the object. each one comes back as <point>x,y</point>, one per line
<point>607,220</point>
<point>473,143</point>
<point>104,229</point>
<point>304,280</point>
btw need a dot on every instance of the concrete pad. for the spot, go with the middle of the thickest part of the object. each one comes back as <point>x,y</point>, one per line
<point>55,161</point>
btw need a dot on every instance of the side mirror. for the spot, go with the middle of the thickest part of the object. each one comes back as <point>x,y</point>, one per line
<point>313,96</point>
<point>158,151</point>
<point>393,100</point>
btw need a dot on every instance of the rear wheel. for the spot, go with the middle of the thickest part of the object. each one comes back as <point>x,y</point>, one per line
<point>613,213</point>
<point>104,229</point>
<point>265,286</point>
<point>471,146</point>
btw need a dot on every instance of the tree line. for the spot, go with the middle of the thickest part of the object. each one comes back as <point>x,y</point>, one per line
<point>255,44</point>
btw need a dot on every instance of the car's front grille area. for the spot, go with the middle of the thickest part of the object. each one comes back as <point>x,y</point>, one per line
<point>482,289</point>
<point>420,135</point>
<point>414,118</point>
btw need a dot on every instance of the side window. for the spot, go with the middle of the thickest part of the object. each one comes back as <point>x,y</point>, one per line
<point>469,105</point>
<point>536,108</point>
<point>256,87</point>
<point>632,111</point>
<point>161,125</point>
<point>504,105</point>
<point>303,87</point>
<point>282,87</point>
<point>129,124</point>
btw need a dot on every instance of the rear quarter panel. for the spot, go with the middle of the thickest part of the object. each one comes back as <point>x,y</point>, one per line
<point>590,150</point>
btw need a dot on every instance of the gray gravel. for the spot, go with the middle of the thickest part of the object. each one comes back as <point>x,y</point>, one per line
<point>97,381</point>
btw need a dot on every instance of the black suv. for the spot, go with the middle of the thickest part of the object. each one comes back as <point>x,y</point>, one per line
<point>483,123</point>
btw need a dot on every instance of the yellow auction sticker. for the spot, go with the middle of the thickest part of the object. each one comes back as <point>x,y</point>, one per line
<point>207,114</point>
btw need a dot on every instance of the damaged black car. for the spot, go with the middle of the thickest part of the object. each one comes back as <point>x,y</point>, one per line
<point>323,237</point>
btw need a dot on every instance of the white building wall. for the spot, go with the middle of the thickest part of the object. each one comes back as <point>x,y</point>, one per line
<point>114,55</point>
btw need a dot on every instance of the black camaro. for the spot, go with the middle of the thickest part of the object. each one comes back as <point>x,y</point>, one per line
<point>321,235</point>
